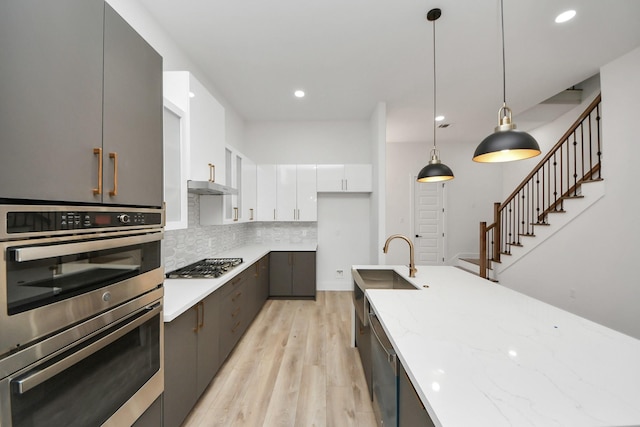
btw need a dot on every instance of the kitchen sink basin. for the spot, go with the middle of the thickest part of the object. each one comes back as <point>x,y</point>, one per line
<point>381,279</point>
<point>374,279</point>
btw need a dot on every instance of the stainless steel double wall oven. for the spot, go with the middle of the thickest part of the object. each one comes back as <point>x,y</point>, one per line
<point>81,337</point>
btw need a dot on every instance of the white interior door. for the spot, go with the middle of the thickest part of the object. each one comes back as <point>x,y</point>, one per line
<point>429,223</point>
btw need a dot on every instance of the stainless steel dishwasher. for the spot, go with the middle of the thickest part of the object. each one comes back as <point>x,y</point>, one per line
<point>385,375</point>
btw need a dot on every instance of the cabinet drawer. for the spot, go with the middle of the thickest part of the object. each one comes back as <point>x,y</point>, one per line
<point>234,284</point>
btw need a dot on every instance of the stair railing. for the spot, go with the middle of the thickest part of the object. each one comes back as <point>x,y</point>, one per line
<point>575,159</point>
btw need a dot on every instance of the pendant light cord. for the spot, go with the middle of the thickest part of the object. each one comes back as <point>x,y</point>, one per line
<point>434,84</point>
<point>504,72</point>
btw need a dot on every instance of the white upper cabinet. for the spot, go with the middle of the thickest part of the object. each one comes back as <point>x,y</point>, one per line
<point>240,174</point>
<point>345,178</point>
<point>249,190</point>
<point>287,193</point>
<point>306,193</point>
<point>296,193</point>
<point>205,125</point>
<point>175,166</point>
<point>266,187</point>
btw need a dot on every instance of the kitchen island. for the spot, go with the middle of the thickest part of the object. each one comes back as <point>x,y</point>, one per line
<point>479,354</point>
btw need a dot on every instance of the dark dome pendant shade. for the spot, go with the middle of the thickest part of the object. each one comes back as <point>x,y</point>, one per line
<point>435,170</point>
<point>506,143</point>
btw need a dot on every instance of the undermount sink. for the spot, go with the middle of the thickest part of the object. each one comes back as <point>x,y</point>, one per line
<point>374,279</point>
<point>380,279</point>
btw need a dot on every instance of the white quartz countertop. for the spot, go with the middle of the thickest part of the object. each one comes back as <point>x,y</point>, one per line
<point>182,294</point>
<point>480,354</point>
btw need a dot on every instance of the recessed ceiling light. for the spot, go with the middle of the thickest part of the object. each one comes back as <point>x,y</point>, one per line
<point>299,93</point>
<point>439,118</point>
<point>191,94</point>
<point>565,16</point>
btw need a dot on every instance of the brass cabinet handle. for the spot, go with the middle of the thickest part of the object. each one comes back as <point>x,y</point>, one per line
<point>212,172</point>
<point>98,152</point>
<point>236,296</point>
<point>274,214</point>
<point>114,156</point>
<point>235,214</point>
<point>235,312</point>
<point>201,324</point>
<point>250,214</point>
<point>197,309</point>
<point>235,327</point>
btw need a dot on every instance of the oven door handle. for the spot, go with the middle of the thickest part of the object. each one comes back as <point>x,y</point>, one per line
<point>32,253</point>
<point>25,384</point>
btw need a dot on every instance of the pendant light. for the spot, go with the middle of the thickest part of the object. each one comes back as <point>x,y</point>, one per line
<point>435,170</point>
<point>506,143</point>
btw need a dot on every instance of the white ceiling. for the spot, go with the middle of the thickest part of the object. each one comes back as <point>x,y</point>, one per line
<point>348,55</point>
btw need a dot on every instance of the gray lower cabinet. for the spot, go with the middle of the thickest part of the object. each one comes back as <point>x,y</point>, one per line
<point>180,373</point>
<point>234,312</point>
<point>292,274</point>
<point>208,341</point>
<point>363,344</point>
<point>411,411</point>
<point>198,341</point>
<point>259,285</point>
<point>263,280</point>
<point>77,84</point>
<point>191,358</point>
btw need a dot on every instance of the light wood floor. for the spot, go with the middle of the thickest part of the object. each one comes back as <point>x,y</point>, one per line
<point>293,367</point>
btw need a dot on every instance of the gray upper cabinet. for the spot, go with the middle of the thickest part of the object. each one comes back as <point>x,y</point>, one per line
<point>51,105</point>
<point>50,98</point>
<point>133,113</point>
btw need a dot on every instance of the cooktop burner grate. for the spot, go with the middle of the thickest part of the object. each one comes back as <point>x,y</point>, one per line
<point>205,268</point>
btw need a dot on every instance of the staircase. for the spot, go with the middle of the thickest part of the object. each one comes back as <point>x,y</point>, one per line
<point>564,183</point>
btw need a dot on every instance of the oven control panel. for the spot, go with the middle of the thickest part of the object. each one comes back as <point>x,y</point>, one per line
<point>36,221</point>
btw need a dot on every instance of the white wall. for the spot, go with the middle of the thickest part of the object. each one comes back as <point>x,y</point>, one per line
<point>311,142</point>
<point>343,237</point>
<point>469,196</point>
<point>594,257</point>
<point>378,124</point>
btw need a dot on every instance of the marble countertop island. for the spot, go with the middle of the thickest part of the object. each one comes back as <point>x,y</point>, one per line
<point>479,354</point>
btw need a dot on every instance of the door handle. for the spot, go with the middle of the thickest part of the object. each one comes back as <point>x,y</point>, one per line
<point>40,375</point>
<point>34,253</point>
<point>418,235</point>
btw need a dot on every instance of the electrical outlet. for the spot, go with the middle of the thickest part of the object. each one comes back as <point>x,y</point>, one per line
<point>339,274</point>
<point>304,233</point>
<point>572,293</point>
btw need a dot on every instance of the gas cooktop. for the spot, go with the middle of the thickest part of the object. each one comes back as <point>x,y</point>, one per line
<point>205,268</point>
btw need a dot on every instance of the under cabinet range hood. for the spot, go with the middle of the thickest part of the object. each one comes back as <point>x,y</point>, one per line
<point>209,188</point>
